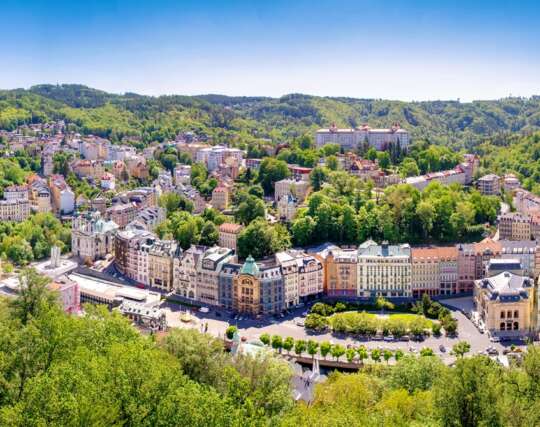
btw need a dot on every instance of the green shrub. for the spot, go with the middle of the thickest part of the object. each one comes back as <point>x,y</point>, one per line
<point>230,331</point>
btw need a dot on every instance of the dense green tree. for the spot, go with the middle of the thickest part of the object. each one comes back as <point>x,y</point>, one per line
<point>209,234</point>
<point>260,239</point>
<point>302,230</point>
<point>337,351</point>
<point>249,209</point>
<point>277,342</point>
<point>331,163</point>
<point>172,202</point>
<point>202,356</point>
<point>299,347</point>
<point>466,395</point>
<point>288,344</point>
<point>461,348</point>
<point>318,176</point>
<point>265,339</point>
<point>270,171</point>
<point>383,159</point>
<point>325,348</point>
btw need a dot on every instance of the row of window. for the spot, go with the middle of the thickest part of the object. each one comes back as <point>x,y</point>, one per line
<point>508,314</point>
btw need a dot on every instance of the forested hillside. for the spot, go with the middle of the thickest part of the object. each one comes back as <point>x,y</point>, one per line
<point>245,119</point>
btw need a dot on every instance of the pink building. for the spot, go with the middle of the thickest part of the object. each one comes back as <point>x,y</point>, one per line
<point>69,294</point>
<point>472,261</point>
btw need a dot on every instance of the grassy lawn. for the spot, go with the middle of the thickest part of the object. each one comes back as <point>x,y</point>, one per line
<point>407,317</point>
<point>350,320</point>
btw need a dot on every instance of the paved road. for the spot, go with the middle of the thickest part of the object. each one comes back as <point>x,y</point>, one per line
<point>286,327</point>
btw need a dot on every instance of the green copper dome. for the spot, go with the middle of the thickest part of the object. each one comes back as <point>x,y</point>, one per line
<point>250,267</point>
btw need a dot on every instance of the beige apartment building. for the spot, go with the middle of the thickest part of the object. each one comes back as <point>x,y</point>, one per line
<point>515,226</point>
<point>122,213</point>
<point>297,188</point>
<point>130,260</point>
<point>434,270</point>
<point>40,196</point>
<point>220,198</point>
<point>341,273</point>
<point>93,169</point>
<point>228,235</point>
<point>14,210</point>
<point>505,304</point>
<point>489,185</point>
<point>160,262</point>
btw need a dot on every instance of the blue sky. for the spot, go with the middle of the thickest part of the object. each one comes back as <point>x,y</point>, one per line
<point>409,50</point>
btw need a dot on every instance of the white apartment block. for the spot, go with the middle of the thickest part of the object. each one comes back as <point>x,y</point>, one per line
<point>182,174</point>
<point>452,176</point>
<point>351,138</point>
<point>208,268</point>
<point>213,157</point>
<point>15,192</point>
<point>384,270</point>
<point>289,270</point>
<point>185,272</point>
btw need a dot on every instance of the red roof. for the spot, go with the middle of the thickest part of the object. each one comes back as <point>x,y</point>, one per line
<point>229,227</point>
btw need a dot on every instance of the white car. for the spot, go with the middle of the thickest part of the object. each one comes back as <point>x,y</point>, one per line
<point>204,310</point>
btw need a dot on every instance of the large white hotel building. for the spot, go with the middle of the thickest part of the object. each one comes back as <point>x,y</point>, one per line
<point>351,138</point>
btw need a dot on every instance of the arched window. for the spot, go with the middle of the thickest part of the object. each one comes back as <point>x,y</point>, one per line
<point>503,326</point>
<point>509,314</point>
<point>516,314</point>
<point>516,326</point>
<point>502,314</point>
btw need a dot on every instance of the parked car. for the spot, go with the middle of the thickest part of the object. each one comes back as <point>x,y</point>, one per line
<point>389,338</point>
<point>495,339</point>
<point>442,348</point>
<point>492,351</point>
<point>204,310</point>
